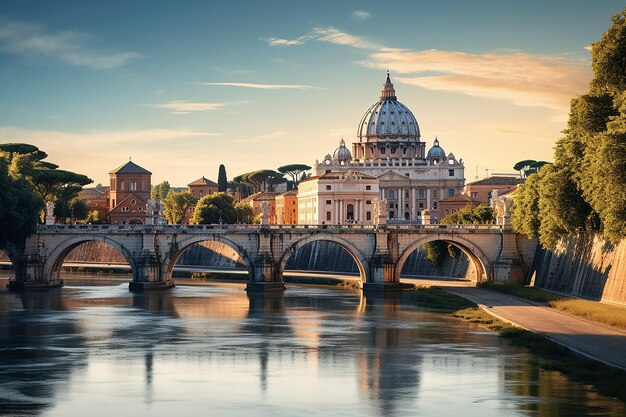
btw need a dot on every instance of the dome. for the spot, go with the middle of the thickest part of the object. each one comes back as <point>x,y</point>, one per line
<point>436,152</point>
<point>388,118</point>
<point>342,154</point>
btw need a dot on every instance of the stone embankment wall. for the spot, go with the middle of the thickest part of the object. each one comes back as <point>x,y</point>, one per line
<point>583,265</point>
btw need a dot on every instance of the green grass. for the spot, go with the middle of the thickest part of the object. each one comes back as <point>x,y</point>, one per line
<point>548,354</point>
<point>592,310</point>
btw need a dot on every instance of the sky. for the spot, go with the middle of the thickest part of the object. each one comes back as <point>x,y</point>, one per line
<point>181,87</point>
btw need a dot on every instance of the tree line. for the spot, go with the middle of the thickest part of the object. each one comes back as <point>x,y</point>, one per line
<point>585,187</point>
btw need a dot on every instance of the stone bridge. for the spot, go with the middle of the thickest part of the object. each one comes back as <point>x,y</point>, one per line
<point>495,252</point>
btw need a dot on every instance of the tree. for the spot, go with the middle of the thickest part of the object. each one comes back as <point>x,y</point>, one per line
<point>295,171</point>
<point>481,214</point>
<point>67,211</point>
<point>215,208</point>
<point>159,192</point>
<point>176,205</point>
<point>244,213</point>
<point>609,57</point>
<point>222,180</point>
<point>261,180</point>
<point>522,164</point>
<point>19,209</point>
<point>525,208</point>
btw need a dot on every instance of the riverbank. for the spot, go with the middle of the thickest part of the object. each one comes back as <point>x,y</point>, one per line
<point>550,355</point>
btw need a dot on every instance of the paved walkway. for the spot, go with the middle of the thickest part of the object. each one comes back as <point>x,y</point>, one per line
<point>597,341</point>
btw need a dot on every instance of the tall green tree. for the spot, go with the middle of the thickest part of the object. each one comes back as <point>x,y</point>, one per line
<point>159,192</point>
<point>222,180</point>
<point>215,208</point>
<point>244,213</point>
<point>294,171</point>
<point>176,204</point>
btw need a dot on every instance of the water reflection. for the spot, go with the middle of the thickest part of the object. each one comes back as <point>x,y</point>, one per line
<point>310,351</point>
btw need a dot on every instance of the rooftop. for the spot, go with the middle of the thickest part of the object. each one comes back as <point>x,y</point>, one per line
<point>202,181</point>
<point>498,181</point>
<point>460,198</point>
<point>130,168</point>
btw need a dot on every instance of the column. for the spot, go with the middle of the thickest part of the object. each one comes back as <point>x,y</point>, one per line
<point>400,210</point>
<point>413,204</point>
<point>336,211</point>
<point>428,199</point>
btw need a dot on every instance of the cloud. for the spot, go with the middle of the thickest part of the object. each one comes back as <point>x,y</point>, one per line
<point>327,34</point>
<point>361,15</point>
<point>517,77</point>
<point>514,130</point>
<point>268,86</point>
<point>184,107</point>
<point>26,39</point>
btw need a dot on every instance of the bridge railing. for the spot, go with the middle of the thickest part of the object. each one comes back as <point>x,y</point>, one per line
<point>248,227</point>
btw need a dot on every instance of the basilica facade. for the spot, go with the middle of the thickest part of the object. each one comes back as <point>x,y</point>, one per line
<point>411,181</point>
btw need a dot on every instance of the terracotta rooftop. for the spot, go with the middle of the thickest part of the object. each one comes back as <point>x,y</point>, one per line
<point>460,197</point>
<point>202,181</point>
<point>291,192</point>
<point>130,168</point>
<point>498,181</point>
<point>261,195</point>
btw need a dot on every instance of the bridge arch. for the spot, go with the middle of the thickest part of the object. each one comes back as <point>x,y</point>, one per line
<point>54,261</point>
<point>476,256</point>
<point>185,244</point>
<point>360,260</point>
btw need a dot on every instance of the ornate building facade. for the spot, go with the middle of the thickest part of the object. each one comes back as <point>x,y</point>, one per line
<point>389,148</point>
<point>129,195</point>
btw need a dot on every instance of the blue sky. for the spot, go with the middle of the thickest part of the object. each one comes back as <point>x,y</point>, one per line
<point>184,86</point>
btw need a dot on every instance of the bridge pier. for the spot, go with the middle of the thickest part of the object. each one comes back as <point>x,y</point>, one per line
<point>265,275</point>
<point>382,275</point>
<point>148,275</point>
<point>29,275</point>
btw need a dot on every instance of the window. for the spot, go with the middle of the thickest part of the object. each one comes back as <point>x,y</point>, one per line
<point>368,215</point>
<point>393,150</point>
<point>368,187</point>
<point>122,185</point>
<point>329,202</point>
<point>421,205</point>
<point>140,208</point>
<point>133,201</point>
<point>450,192</point>
<point>475,195</point>
<point>328,187</point>
<point>447,212</point>
<point>434,193</point>
<point>407,175</point>
<point>406,193</point>
<point>143,184</point>
<point>391,194</point>
<point>368,202</point>
<point>132,184</point>
<point>435,205</point>
<point>420,193</point>
<point>328,216</point>
<point>382,151</point>
<point>450,173</point>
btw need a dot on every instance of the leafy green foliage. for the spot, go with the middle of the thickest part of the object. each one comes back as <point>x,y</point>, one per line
<point>295,171</point>
<point>244,213</point>
<point>176,204</point>
<point>75,209</point>
<point>222,180</point>
<point>521,164</point>
<point>433,252</point>
<point>159,192</point>
<point>261,180</point>
<point>19,206</point>
<point>481,214</point>
<point>215,208</point>
<point>585,189</point>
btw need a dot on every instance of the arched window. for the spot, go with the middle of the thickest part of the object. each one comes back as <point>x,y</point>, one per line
<point>350,212</point>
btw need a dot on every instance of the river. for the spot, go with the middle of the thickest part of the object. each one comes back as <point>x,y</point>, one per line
<point>94,349</point>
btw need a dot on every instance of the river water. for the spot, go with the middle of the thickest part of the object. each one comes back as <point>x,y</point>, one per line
<point>94,349</point>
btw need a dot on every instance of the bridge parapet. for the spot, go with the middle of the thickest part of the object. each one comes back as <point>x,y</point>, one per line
<point>380,252</point>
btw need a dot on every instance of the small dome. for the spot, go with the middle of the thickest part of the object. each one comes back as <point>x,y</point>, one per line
<point>436,152</point>
<point>342,154</point>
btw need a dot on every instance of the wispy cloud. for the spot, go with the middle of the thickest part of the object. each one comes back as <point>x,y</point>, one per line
<point>514,130</point>
<point>517,77</point>
<point>30,40</point>
<point>328,34</point>
<point>361,15</point>
<point>184,107</point>
<point>268,86</point>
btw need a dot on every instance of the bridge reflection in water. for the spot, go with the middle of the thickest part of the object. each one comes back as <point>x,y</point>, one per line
<point>328,350</point>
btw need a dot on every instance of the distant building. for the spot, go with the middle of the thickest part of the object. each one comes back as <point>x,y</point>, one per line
<point>97,199</point>
<point>287,207</point>
<point>455,203</point>
<point>389,148</point>
<point>201,187</point>
<point>482,190</point>
<point>129,195</point>
<point>338,198</point>
<point>256,201</point>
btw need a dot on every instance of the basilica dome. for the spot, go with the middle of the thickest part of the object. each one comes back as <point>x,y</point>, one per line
<point>388,118</point>
<point>342,154</point>
<point>436,152</point>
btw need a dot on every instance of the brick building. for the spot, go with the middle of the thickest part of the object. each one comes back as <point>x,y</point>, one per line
<point>129,195</point>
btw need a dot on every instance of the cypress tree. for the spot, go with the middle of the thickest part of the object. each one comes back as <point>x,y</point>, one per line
<point>222,181</point>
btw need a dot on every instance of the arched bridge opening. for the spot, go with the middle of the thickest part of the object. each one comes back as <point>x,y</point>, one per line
<point>7,269</point>
<point>87,253</point>
<point>330,257</point>
<point>202,257</point>
<point>443,258</point>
